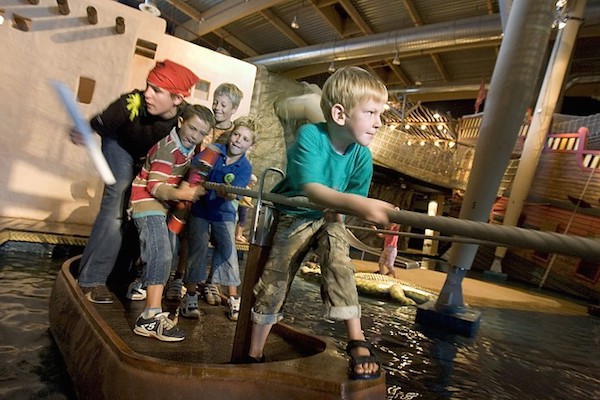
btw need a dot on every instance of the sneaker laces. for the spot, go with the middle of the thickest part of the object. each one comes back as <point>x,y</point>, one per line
<point>234,304</point>
<point>213,289</point>
<point>164,322</point>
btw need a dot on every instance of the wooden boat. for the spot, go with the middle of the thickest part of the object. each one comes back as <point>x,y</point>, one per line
<point>562,198</point>
<point>106,360</point>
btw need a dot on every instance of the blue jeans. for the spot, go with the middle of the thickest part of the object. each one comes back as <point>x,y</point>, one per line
<point>104,243</point>
<point>225,266</point>
<point>156,249</point>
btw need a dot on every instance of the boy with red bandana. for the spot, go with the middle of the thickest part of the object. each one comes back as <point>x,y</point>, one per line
<point>129,127</point>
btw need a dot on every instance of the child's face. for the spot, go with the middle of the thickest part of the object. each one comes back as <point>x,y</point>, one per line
<point>159,101</point>
<point>241,140</point>
<point>364,121</point>
<point>223,108</point>
<point>192,131</point>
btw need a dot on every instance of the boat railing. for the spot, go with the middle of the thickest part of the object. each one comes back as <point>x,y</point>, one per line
<point>574,143</point>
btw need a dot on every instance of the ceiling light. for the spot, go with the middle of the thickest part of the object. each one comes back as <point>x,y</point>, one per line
<point>149,7</point>
<point>396,60</point>
<point>562,23</point>
<point>295,24</point>
<point>331,68</point>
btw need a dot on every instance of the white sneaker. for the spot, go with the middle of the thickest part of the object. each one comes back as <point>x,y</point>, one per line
<point>175,290</point>
<point>189,307</point>
<point>135,291</point>
<point>233,308</point>
<point>212,295</point>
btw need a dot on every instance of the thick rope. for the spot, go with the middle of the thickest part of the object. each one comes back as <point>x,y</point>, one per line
<point>509,236</point>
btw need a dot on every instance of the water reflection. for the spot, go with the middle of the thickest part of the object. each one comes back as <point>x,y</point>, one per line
<point>30,365</point>
<point>515,354</point>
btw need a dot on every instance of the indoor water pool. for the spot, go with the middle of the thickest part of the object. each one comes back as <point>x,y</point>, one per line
<point>514,355</point>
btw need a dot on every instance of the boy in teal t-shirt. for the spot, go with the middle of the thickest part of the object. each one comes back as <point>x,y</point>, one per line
<point>331,165</point>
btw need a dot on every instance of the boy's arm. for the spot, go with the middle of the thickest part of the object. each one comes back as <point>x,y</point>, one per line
<point>188,193</point>
<point>160,169</point>
<point>372,210</point>
<point>111,120</point>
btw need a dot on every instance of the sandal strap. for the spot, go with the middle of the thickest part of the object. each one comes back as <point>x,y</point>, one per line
<point>353,344</point>
<point>364,360</point>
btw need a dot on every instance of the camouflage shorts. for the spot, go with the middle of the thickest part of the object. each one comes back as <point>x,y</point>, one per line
<point>292,240</point>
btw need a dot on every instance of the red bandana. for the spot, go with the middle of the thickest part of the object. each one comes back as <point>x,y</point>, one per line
<point>173,77</point>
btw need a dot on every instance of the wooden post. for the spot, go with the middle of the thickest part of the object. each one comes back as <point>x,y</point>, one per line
<point>255,264</point>
<point>260,246</point>
<point>63,7</point>
<point>120,25</point>
<point>22,23</point>
<point>92,15</point>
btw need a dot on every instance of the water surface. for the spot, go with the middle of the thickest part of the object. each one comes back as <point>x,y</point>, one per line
<point>515,354</point>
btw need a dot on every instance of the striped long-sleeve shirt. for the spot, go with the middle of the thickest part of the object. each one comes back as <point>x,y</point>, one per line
<point>153,189</point>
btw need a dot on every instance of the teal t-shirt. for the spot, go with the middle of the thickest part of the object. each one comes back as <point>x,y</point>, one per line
<point>312,159</point>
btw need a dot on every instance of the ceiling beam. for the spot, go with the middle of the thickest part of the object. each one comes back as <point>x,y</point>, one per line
<point>440,67</point>
<point>412,12</point>
<point>356,17</point>
<point>330,16</point>
<point>283,27</point>
<point>418,21</point>
<point>399,72</point>
<point>235,42</point>
<point>222,14</point>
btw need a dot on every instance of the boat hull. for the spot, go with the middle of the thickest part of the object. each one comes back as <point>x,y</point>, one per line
<point>104,366</point>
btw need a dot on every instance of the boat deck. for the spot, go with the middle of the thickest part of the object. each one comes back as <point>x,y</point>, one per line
<point>209,340</point>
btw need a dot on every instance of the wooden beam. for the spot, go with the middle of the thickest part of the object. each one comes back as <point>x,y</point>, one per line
<point>330,16</point>
<point>399,72</point>
<point>235,42</point>
<point>283,27</point>
<point>369,68</point>
<point>412,12</point>
<point>222,14</point>
<point>440,67</point>
<point>418,21</point>
<point>356,17</point>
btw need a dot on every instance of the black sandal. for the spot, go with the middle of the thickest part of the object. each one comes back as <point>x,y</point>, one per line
<point>354,361</point>
<point>248,359</point>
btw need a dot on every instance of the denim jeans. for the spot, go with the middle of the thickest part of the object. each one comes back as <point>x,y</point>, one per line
<point>224,265</point>
<point>104,243</point>
<point>156,249</point>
